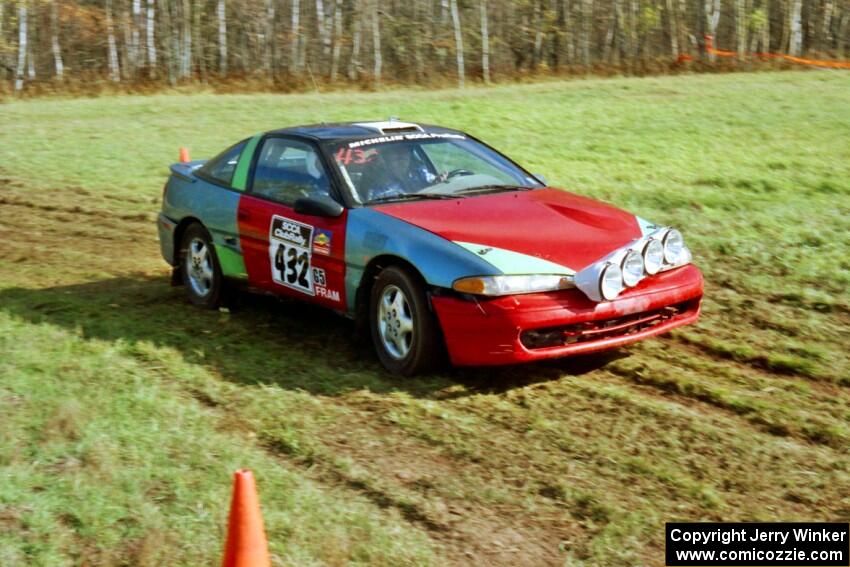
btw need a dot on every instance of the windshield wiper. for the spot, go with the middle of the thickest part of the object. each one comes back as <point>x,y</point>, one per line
<point>409,196</point>
<point>494,188</point>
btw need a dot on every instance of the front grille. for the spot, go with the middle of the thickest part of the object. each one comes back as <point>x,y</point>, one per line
<point>602,328</point>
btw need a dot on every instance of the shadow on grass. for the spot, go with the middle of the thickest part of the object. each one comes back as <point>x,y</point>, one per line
<point>263,340</point>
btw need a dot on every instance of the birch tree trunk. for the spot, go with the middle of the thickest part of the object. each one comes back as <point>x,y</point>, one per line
<point>586,15</point>
<point>337,39</point>
<point>741,28</point>
<point>114,70</point>
<point>186,58</point>
<point>376,42</point>
<point>54,41</point>
<point>221,13</point>
<point>134,47</point>
<point>826,27</point>
<point>324,28</point>
<point>461,78</point>
<point>795,23</point>
<point>354,63</point>
<point>3,64</point>
<point>270,38</point>
<point>295,63</point>
<point>672,28</point>
<point>198,39</point>
<point>843,33</point>
<point>151,37</point>
<point>22,45</point>
<point>712,18</point>
<point>538,35</point>
<point>485,43</point>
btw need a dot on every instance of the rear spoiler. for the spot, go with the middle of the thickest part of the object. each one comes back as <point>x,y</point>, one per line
<point>186,171</point>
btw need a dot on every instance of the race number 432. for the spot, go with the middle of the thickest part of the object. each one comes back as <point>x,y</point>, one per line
<point>290,253</point>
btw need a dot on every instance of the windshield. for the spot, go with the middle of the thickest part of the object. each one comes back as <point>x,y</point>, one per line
<point>424,166</point>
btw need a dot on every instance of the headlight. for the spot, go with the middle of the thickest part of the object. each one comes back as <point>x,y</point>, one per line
<point>511,285</point>
<point>611,282</point>
<point>674,244</point>
<point>632,268</point>
<point>653,256</point>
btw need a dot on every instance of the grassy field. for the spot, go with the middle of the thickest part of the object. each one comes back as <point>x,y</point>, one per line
<point>124,410</point>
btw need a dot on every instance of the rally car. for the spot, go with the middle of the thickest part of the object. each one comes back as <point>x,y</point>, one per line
<point>430,238</point>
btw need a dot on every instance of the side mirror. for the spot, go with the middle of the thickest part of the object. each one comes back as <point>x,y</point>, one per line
<point>318,207</point>
<point>539,177</point>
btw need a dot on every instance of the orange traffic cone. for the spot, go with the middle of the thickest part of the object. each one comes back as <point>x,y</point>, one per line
<point>184,155</point>
<point>246,539</point>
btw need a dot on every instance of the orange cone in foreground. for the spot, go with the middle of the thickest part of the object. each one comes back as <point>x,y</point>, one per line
<point>184,155</point>
<point>246,539</point>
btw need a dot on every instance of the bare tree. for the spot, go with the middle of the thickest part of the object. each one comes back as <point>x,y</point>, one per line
<point>134,46</point>
<point>712,18</point>
<point>58,64</point>
<point>672,29</point>
<point>269,46</point>
<point>354,62</point>
<point>408,39</point>
<point>485,43</point>
<point>150,37</point>
<point>221,13</point>
<point>296,36</point>
<point>22,44</point>
<point>741,27</point>
<point>337,39</point>
<point>586,27</point>
<point>114,70</point>
<point>461,79</point>
<point>795,25</point>
<point>186,31</point>
<point>376,42</point>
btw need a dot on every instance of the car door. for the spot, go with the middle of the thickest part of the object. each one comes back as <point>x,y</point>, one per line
<point>289,253</point>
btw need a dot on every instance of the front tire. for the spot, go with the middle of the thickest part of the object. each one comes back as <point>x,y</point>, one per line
<point>200,268</point>
<point>404,330</point>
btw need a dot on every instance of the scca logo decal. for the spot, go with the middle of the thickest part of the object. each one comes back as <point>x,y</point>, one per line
<point>290,254</point>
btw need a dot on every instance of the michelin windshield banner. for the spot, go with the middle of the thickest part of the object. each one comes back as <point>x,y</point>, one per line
<point>757,544</point>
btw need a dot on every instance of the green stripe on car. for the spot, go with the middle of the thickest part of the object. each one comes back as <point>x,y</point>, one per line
<point>240,176</point>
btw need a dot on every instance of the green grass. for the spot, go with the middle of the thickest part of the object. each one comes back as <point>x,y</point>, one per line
<point>125,410</point>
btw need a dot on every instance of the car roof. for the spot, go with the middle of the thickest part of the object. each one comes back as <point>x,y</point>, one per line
<point>364,129</point>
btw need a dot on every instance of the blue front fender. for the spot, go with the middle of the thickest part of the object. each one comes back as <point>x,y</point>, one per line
<point>370,234</point>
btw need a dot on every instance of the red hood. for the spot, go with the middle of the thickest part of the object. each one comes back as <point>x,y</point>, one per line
<point>551,224</point>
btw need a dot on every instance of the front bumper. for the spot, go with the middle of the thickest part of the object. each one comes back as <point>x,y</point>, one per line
<point>481,332</point>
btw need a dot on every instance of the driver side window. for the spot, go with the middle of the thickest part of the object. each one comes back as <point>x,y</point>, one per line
<point>288,170</point>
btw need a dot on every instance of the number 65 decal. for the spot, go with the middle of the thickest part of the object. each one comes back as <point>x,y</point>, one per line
<point>290,253</point>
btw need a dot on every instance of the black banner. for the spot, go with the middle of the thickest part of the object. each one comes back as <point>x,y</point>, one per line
<point>692,544</point>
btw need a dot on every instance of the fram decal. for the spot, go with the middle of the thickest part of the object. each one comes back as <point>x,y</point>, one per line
<point>322,242</point>
<point>332,294</point>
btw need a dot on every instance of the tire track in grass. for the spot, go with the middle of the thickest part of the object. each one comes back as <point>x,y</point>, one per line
<point>609,467</point>
<point>395,472</point>
<point>674,377</point>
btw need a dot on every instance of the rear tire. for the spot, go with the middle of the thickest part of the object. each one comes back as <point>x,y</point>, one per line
<point>200,268</point>
<point>404,331</point>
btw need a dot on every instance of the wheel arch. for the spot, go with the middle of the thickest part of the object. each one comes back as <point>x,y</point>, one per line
<point>179,231</point>
<point>370,274</point>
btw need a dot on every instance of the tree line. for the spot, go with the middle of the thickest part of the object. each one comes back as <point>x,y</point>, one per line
<point>299,42</point>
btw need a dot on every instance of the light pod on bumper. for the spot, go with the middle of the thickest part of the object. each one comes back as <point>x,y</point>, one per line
<point>632,268</point>
<point>653,256</point>
<point>611,282</point>
<point>674,245</point>
<point>657,251</point>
